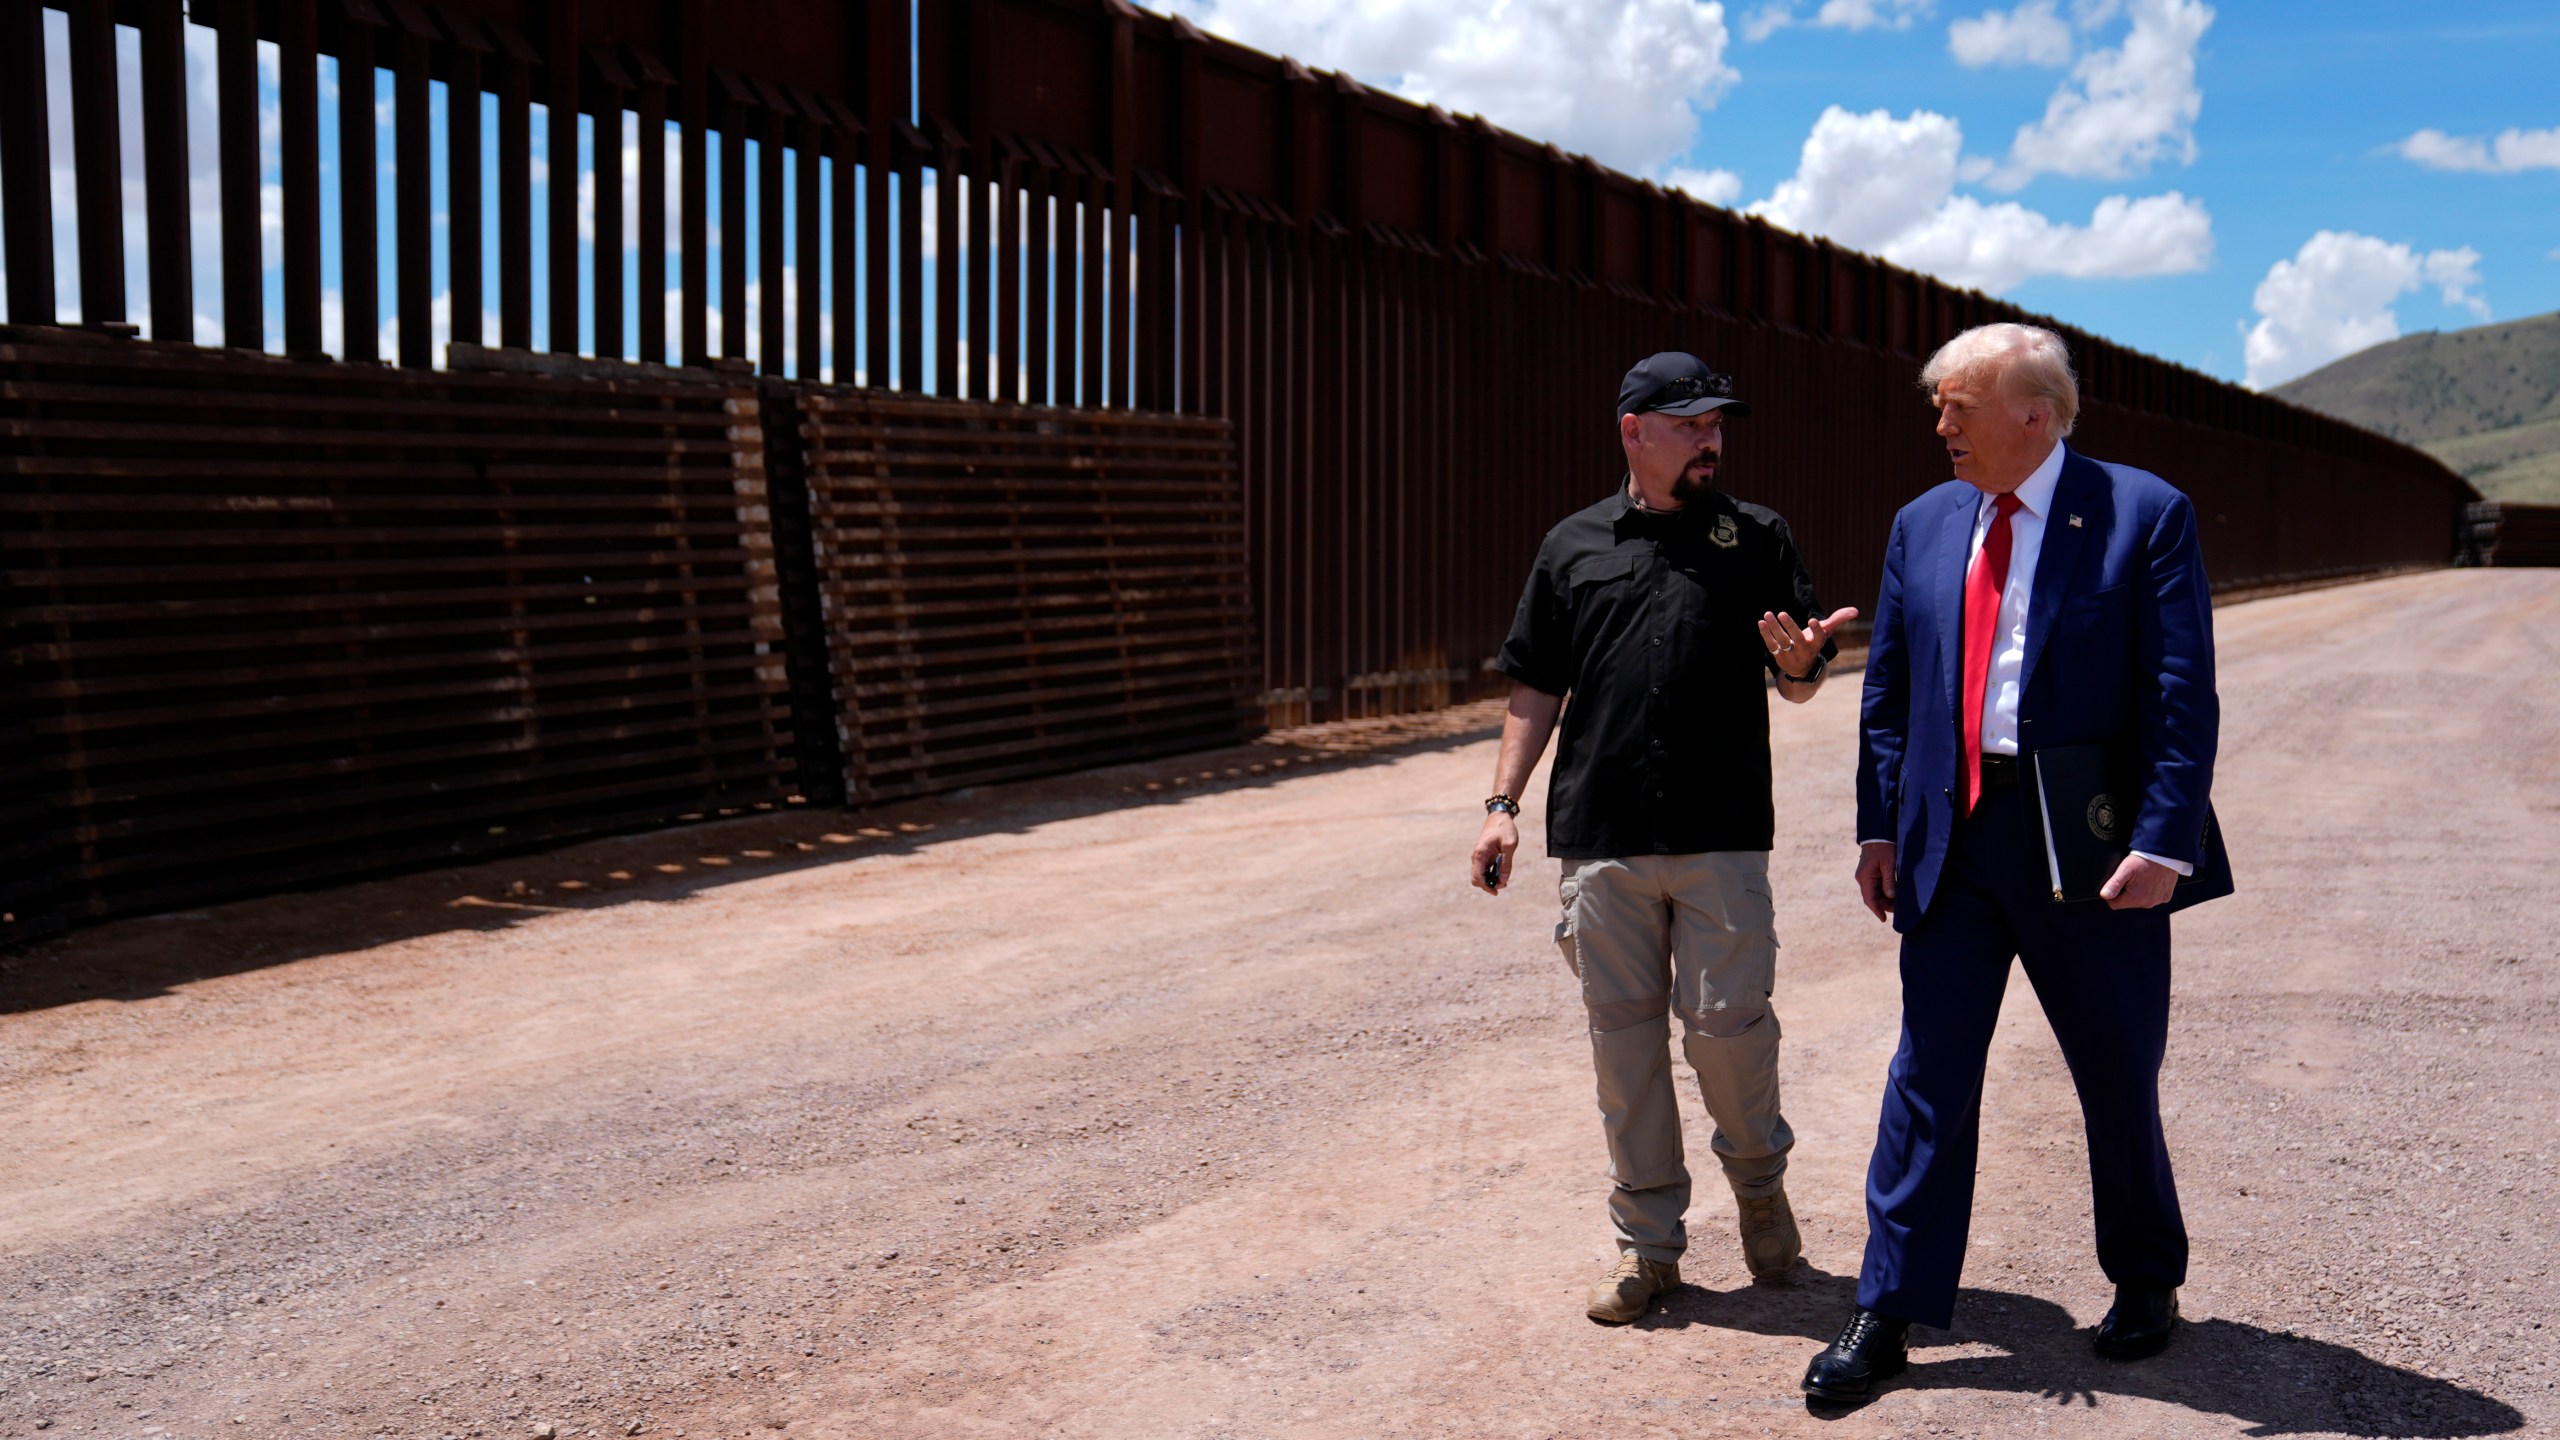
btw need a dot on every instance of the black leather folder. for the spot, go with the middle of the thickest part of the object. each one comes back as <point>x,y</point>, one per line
<point>2085,798</point>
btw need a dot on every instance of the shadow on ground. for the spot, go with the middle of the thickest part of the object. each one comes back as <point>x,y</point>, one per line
<point>142,958</point>
<point>2279,1382</point>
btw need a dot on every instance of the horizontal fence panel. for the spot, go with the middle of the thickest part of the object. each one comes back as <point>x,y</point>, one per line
<point>1014,590</point>
<point>462,618</point>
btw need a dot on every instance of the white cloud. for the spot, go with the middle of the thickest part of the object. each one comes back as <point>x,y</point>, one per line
<point>1716,187</point>
<point>2334,298</point>
<point>1623,81</point>
<point>1865,179</point>
<point>2029,35</point>
<point>1874,182</point>
<point>1994,247</point>
<point>2122,109</point>
<point>2505,153</point>
<point>1777,15</point>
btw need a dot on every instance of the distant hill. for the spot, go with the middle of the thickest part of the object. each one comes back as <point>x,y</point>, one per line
<point>2485,401</point>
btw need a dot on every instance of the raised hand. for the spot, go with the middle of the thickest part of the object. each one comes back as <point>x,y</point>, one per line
<point>1796,650</point>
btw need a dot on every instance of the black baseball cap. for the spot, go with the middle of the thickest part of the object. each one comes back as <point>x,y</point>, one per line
<point>1676,382</point>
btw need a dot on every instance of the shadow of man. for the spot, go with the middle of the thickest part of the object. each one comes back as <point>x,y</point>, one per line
<point>2280,1382</point>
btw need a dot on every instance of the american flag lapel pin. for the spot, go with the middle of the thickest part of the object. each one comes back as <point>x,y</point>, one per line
<point>2075,522</point>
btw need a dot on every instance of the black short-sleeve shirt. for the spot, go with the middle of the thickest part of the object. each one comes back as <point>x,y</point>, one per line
<point>1649,624</point>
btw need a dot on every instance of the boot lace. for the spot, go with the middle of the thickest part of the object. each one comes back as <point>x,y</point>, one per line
<point>1861,1325</point>
<point>1630,1266</point>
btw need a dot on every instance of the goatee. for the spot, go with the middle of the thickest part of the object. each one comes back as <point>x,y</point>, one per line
<point>1691,485</point>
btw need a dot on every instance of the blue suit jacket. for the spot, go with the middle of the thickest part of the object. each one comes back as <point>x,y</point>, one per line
<point>2119,649</point>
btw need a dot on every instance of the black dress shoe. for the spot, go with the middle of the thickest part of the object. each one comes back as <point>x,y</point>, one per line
<point>1869,1350</point>
<point>2139,1324</point>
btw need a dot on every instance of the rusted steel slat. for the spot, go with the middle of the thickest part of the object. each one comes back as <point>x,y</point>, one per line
<point>1094,330</point>
<point>977,280</point>
<point>908,253</point>
<point>399,848</point>
<point>1113,704</point>
<point>515,196</point>
<point>286,438</point>
<point>252,775</point>
<point>207,647</point>
<point>98,183</point>
<point>809,267</point>
<point>465,260</point>
<point>1038,342</point>
<point>649,105</point>
<point>170,263</point>
<point>512,530</point>
<point>844,231</point>
<point>96,725</point>
<point>244,324</point>
<point>1083,748</point>
<point>360,271</point>
<point>736,256</point>
<point>298,146</point>
<point>26,164</point>
<point>876,268</point>
<point>1194,643</point>
<point>413,198</point>
<point>771,230</point>
<point>353,568</point>
<point>560,71</point>
<point>379,739</point>
<point>229,843</point>
<point>951,263</point>
<point>361,398</point>
<point>1005,351</point>
<point>608,300</point>
<point>867,631</point>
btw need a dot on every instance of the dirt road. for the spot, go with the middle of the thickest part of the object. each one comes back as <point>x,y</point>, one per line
<point>1203,1099</point>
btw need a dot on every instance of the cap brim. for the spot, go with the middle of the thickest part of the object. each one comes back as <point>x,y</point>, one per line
<point>1702,405</point>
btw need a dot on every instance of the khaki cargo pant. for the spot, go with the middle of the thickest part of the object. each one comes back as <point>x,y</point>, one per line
<point>1653,936</point>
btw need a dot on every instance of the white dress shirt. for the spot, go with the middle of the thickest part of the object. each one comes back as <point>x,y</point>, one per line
<point>2009,641</point>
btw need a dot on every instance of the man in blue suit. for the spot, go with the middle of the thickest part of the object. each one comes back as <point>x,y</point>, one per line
<point>2040,599</point>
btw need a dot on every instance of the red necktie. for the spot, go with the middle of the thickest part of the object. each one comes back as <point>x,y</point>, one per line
<point>1983,582</point>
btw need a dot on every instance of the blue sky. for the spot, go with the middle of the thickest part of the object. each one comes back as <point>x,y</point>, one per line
<point>2227,136</point>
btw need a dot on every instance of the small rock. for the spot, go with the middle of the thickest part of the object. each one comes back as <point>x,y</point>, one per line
<point>546,1431</point>
<point>631,1429</point>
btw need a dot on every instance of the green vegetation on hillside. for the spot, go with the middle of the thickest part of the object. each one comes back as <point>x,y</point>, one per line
<point>2485,401</point>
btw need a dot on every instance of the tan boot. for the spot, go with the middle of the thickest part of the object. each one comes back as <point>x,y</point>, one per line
<point>1770,1242</point>
<point>1622,1294</point>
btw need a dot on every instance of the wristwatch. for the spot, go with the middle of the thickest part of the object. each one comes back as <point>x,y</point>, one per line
<point>1821,664</point>
<point>1507,804</point>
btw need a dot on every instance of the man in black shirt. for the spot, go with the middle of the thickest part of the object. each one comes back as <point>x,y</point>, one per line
<point>1657,611</point>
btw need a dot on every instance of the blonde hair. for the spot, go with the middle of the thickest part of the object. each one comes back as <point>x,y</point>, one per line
<point>2034,365</point>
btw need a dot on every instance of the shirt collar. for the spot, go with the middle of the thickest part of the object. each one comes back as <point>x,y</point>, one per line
<point>1710,503</point>
<point>2037,493</point>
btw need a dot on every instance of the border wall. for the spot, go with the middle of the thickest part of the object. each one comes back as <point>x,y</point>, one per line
<point>1374,342</point>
